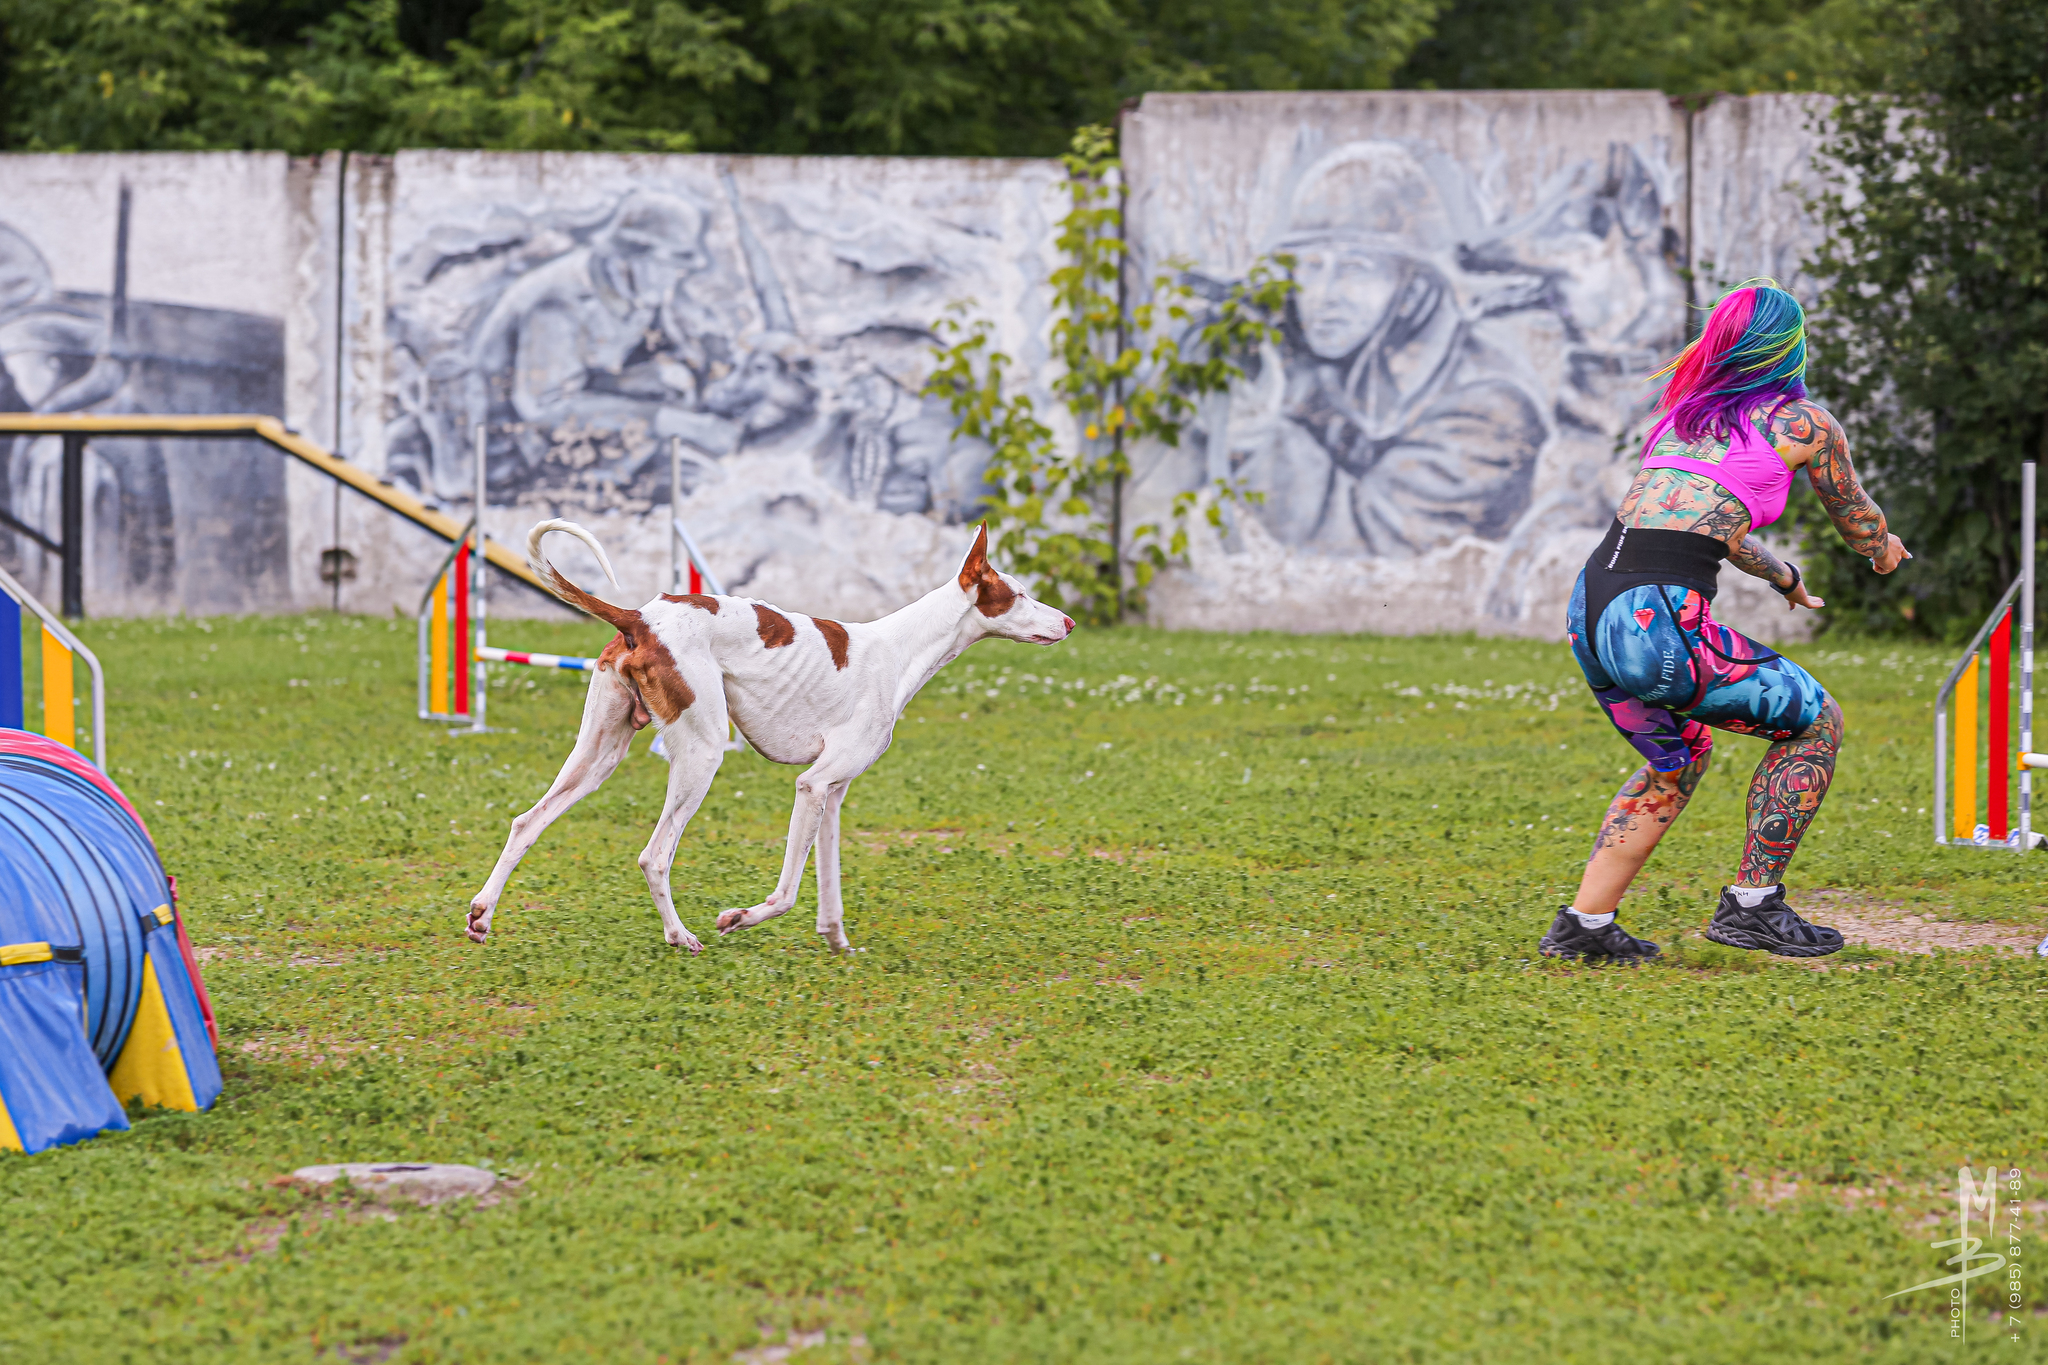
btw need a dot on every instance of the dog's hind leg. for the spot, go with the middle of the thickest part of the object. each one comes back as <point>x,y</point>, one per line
<point>696,746</point>
<point>606,734</point>
<point>831,914</point>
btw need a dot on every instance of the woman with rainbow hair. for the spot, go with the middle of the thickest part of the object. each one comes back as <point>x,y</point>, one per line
<point>1716,469</point>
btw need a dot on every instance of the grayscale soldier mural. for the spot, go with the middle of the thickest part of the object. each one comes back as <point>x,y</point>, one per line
<point>772,320</point>
<point>167,524</point>
<point>1386,424</point>
<point>1437,435</point>
<point>1476,306</point>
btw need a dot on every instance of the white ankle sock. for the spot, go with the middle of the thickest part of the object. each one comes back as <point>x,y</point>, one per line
<point>1592,921</point>
<point>1750,897</point>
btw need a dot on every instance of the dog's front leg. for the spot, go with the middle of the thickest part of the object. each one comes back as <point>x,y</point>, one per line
<point>606,734</point>
<point>804,817</point>
<point>831,914</point>
<point>696,750</point>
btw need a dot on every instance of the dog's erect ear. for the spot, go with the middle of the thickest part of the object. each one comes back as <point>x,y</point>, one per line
<point>975,566</point>
<point>992,596</point>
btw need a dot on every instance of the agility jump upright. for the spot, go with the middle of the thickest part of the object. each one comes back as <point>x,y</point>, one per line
<point>1961,743</point>
<point>454,618</point>
<point>61,648</point>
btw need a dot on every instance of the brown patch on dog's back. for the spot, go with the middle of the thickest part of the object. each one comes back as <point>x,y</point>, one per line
<point>701,601</point>
<point>835,639</point>
<point>775,629</point>
<point>643,662</point>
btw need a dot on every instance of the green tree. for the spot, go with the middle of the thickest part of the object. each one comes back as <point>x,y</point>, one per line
<point>1682,47</point>
<point>553,74</point>
<point>118,74</point>
<point>1931,341</point>
<point>1275,45</point>
<point>957,77</point>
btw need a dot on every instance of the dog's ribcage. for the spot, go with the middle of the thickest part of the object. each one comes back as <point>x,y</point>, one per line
<point>789,680</point>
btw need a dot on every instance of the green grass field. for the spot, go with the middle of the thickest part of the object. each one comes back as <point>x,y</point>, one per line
<point>1197,1017</point>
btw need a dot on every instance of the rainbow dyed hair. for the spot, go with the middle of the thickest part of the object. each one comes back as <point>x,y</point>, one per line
<point>1752,353</point>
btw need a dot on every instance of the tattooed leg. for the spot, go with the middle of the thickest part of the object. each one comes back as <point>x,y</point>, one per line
<point>1785,795</point>
<point>1636,819</point>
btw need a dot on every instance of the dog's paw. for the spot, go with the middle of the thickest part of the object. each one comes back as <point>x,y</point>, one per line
<point>679,937</point>
<point>836,939</point>
<point>478,923</point>
<point>729,920</point>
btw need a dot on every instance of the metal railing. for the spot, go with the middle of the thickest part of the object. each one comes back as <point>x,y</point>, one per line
<point>62,634</point>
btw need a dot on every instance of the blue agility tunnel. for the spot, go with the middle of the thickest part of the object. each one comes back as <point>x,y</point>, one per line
<point>100,997</point>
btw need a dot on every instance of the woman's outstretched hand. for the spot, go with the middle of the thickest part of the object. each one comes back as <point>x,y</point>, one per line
<point>1800,597</point>
<point>1891,556</point>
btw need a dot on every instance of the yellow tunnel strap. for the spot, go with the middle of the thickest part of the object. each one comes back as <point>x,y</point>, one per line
<point>163,914</point>
<point>10,1141</point>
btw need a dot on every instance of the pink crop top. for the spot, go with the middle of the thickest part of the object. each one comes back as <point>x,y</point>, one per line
<point>1756,474</point>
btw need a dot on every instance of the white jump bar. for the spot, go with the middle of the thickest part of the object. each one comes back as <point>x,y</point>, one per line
<point>491,654</point>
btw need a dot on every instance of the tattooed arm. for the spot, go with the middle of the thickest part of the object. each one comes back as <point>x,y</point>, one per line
<point>1805,433</point>
<point>1754,557</point>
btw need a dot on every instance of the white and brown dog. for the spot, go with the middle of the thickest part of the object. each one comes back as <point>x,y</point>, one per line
<point>803,690</point>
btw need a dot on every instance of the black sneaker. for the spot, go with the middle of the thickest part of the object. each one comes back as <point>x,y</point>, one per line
<point>1773,926</point>
<point>1609,943</point>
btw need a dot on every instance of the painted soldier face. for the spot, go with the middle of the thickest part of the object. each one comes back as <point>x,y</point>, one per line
<point>1345,292</point>
<point>45,350</point>
<point>653,243</point>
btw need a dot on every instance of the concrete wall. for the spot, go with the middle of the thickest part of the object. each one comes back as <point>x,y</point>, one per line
<point>1754,172</point>
<point>1439,435</point>
<point>1456,402</point>
<point>773,318</point>
<point>158,283</point>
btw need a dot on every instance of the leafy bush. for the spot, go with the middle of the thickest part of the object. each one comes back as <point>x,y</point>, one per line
<point>1932,336</point>
<point>1125,376</point>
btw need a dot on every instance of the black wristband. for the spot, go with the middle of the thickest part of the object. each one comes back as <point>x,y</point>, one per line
<point>1789,588</point>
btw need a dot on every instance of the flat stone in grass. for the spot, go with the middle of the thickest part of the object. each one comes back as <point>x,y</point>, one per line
<point>421,1182</point>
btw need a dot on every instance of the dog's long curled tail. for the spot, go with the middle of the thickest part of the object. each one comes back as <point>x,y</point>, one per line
<point>560,586</point>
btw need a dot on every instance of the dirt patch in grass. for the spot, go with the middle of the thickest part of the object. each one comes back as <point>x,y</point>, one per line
<point>265,1235</point>
<point>1920,1204</point>
<point>880,840</point>
<point>369,1351</point>
<point>210,953</point>
<point>1891,926</point>
<point>793,1343</point>
<point>303,1045</point>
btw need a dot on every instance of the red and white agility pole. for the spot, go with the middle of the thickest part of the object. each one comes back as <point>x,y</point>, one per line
<point>453,685</point>
<point>1959,740</point>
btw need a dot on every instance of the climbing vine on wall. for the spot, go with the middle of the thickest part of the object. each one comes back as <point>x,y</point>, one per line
<point>1127,374</point>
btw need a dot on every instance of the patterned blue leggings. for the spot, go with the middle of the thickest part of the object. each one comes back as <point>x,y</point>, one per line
<point>1664,670</point>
